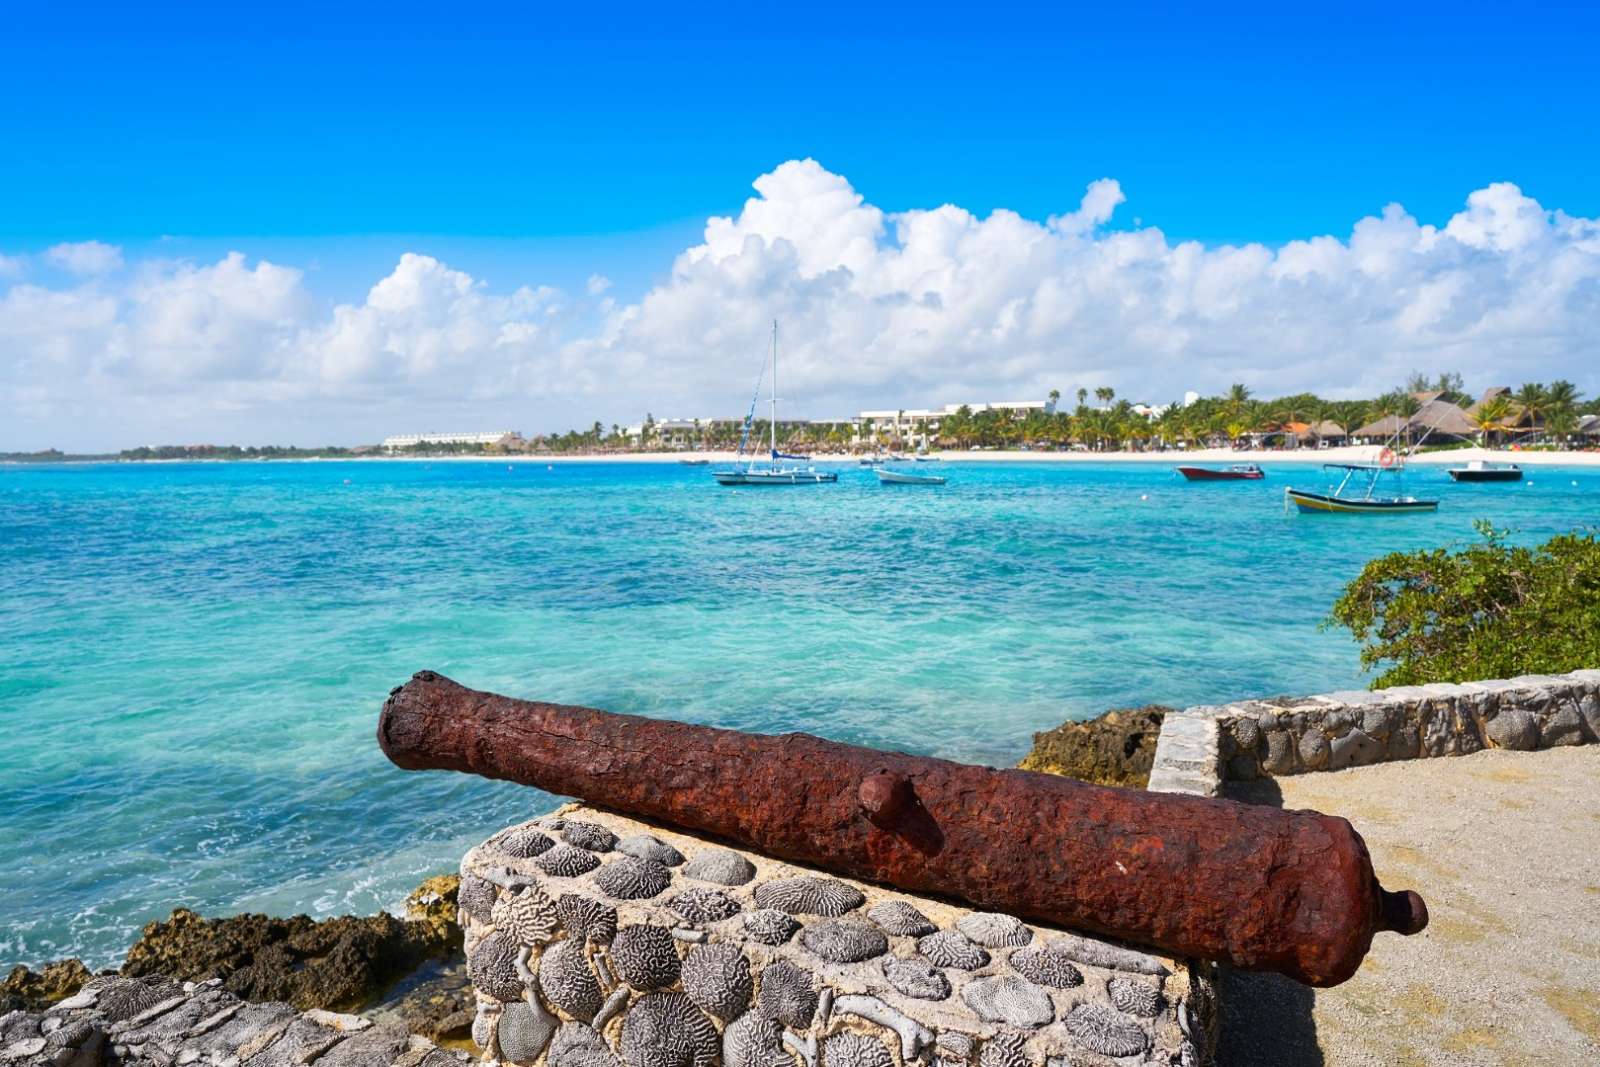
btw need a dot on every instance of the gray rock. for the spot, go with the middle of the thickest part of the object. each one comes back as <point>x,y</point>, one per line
<point>648,847</point>
<point>850,1049</point>
<point>492,966</point>
<point>716,977</point>
<point>589,836</point>
<point>1135,997</point>
<point>754,1041</point>
<point>994,930</point>
<point>1377,720</point>
<point>828,897</point>
<point>1438,732</point>
<point>566,861</point>
<point>951,948</point>
<point>1047,965</point>
<point>587,919</point>
<point>475,897</point>
<point>1513,728</point>
<point>1589,711</point>
<point>1280,753</point>
<point>1313,749</point>
<point>1104,954</point>
<point>787,995</point>
<point>1096,1028</point>
<point>1246,732</point>
<point>699,906</point>
<point>1004,1050</point>
<point>524,1033</point>
<point>844,941</point>
<point>667,1030</point>
<point>523,842</point>
<point>899,918</point>
<point>577,1045</point>
<point>721,866</point>
<point>631,878</point>
<point>1007,999</point>
<point>1355,749</point>
<point>1564,726</point>
<point>770,926</point>
<point>645,957</point>
<point>1404,743</point>
<point>568,982</point>
<point>916,979</point>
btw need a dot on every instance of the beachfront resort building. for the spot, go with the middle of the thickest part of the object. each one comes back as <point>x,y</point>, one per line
<point>919,427</point>
<point>402,441</point>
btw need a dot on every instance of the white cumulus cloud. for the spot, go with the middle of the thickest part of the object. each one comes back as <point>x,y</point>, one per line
<point>85,257</point>
<point>876,308</point>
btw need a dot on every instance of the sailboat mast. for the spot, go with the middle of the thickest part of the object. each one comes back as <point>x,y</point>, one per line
<point>774,390</point>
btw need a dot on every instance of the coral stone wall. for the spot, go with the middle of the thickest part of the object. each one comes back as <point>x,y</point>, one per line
<point>1258,738</point>
<point>595,940</point>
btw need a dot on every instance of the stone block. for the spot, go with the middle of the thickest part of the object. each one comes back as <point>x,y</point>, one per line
<point>1355,749</point>
<point>1562,725</point>
<point>1404,743</point>
<point>825,1008</point>
<point>1313,749</point>
<point>1279,758</point>
<point>1377,720</point>
<point>1513,728</point>
<point>1589,711</point>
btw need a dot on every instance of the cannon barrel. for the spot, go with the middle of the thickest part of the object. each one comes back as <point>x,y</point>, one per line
<point>1286,891</point>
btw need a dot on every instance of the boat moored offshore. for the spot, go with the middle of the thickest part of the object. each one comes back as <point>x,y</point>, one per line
<point>1359,499</point>
<point>774,472</point>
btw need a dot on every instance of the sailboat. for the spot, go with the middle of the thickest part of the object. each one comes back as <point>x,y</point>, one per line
<point>775,471</point>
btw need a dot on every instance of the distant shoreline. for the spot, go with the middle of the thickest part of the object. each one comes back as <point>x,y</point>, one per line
<point>1210,456</point>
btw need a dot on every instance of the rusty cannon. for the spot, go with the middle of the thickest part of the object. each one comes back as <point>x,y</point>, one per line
<point>1264,889</point>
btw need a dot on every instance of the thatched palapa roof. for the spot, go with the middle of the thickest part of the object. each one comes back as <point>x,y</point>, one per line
<point>1441,416</point>
<point>1387,426</point>
<point>1327,428</point>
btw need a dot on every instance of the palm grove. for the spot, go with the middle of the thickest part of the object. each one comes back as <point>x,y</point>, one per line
<point>1540,412</point>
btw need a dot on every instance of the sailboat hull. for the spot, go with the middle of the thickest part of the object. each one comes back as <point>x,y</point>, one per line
<point>777,477</point>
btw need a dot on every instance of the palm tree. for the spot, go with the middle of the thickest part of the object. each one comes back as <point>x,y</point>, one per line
<point>1535,401</point>
<point>1561,423</point>
<point>1105,394</point>
<point>1055,396</point>
<point>1491,418</point>
<point>1083,395</point>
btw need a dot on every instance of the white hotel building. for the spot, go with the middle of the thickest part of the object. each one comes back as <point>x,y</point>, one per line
<point>411,440</point>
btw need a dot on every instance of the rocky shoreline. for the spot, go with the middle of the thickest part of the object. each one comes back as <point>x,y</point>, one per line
<point>408,970</point>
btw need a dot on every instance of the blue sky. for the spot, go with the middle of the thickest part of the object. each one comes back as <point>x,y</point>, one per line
<point>537,147</point>
<point>128,122</point>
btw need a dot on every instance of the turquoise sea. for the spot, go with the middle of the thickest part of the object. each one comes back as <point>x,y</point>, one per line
<point>192,657</point>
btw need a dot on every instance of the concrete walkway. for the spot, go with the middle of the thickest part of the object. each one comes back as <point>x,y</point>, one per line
<point>1505,848</point>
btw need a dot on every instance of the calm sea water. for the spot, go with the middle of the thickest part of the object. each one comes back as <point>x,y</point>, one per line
<point>192,657</point>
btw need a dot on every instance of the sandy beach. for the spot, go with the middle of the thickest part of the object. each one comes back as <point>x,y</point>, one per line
<point>1354,454</point>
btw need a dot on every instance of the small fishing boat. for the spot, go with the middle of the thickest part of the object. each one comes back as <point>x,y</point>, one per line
<point>775,471</point>
<point>1479,471</point>
<point>921,457</point>
<point>1238,472</point>
<point>888,477</point>
<point>1360,499</point>
<point>694,462</point>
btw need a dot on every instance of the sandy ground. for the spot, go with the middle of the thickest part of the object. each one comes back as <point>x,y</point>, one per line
<point>1505,848</point>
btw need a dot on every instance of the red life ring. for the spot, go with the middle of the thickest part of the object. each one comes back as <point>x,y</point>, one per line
<point>1386,458</point>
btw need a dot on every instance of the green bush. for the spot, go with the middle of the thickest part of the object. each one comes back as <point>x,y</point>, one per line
<point>1490,610</point>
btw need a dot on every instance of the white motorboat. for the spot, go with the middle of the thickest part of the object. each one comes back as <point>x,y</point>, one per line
<point>889,477</point>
